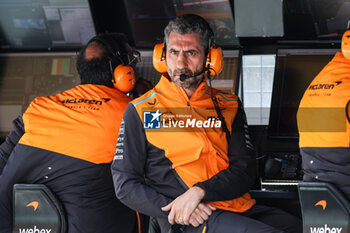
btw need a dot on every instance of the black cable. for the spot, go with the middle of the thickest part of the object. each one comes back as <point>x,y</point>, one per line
<point>347,111</point>
<point>216,105</point>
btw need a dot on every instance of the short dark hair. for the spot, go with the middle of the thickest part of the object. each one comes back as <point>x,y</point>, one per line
<point>190,23</point>
<point>98,70</point>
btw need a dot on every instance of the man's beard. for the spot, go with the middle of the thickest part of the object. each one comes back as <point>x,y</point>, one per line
<point>188,83</point>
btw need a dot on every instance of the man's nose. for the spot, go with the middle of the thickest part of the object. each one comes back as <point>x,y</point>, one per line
<point>181,61</point>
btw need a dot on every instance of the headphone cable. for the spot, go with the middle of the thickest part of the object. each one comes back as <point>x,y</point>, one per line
<point>216,106</point>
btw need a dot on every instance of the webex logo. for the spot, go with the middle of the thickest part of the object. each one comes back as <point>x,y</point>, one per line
<point>325,229</point>
<point>34,230</point>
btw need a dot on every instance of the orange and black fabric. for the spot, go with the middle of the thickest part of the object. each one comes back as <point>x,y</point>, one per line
<point>78,117</point>
<point>324,127</point>
<point>67,142</point>
<point>174,158</point>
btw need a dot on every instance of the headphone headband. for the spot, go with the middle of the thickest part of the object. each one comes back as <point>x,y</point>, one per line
<point>112,44</point>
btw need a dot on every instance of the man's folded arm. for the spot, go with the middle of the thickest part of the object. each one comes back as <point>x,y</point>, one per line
<point>128,168</point>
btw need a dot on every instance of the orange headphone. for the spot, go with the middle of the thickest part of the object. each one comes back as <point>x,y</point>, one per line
<point>124,78</point>
<point>345,44</point>
<point>123,74</point>
<point>213,62</point>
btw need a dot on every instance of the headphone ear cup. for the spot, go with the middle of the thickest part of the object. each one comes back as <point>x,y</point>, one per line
<point>345,44</point>
<point>158,58</point>
<point>215,60</point>
<point>124,78</point>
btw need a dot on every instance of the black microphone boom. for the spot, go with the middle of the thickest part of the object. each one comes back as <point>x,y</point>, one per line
<point>183,77</point>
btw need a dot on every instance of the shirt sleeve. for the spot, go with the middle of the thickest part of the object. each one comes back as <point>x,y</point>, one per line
<point>128,168</point>
<point>11,141</point>
<point>239,177</point>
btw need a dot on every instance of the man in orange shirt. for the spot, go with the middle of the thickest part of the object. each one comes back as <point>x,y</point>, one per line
<point>184,155</point>
<point>324,123</point>
<point>67,142</point>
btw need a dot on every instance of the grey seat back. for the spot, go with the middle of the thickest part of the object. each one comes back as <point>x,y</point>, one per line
<point>36,210</point>
<point>324,208</point>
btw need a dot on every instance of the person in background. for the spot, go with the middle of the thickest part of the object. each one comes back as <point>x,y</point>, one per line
<point>67,142</point>
<point>185,157</point>
<point>324,123</point>
<point>141,87</point>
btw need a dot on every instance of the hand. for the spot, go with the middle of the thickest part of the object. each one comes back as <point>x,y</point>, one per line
<point>201,214</point>
<point>183,206</point>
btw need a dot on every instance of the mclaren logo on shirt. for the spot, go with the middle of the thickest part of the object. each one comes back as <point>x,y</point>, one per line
<point>321,86</point>
<point>88,101</point>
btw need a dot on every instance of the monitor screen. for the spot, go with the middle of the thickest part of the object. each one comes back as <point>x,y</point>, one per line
<point>294,71</point>
<point>24,76</point>
<point>148,18</point>
<point>45,24</point>
<point>330,17</point>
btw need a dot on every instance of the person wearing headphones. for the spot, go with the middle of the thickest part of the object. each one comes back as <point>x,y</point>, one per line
<point>324,123</point>
<point>67,142</point>
<point>184,155</point>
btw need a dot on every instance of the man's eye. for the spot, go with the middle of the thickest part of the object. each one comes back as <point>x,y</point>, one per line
<point>173,52</point>
<point>191,53</point>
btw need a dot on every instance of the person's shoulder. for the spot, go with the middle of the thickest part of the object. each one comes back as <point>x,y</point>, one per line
<point>39,99</point>
<point>225,96</point>
<point>339,63</point>
<point>143,99</point>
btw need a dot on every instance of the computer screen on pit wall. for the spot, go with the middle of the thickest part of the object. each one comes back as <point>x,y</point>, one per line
<point>45,24</point>
<point>148,18</point>
<point>24,76</point>
<point>330,17</point>
<point>294,71</point>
